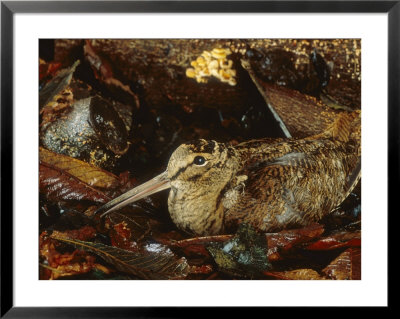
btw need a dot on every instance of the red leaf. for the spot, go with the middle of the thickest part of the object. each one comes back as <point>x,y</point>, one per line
<point>197,245</point>
<point>48,69</point>
<point>335,241</point>
<point>57,264</point>
<point>121,237</point>
<point>286,239</point>
<point>347,266</point>
<point>204,269</point>
<point>277,242</point>
<point>58,185</point>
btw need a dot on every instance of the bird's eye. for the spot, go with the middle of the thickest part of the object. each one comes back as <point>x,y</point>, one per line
<point>199,160</point>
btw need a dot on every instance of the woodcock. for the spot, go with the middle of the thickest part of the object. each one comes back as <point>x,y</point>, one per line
<point>271,184</point>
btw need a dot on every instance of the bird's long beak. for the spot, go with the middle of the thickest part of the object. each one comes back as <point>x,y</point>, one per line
<point>154,185</point>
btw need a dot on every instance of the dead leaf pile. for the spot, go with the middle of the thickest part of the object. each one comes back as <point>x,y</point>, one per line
<point>102,132</point>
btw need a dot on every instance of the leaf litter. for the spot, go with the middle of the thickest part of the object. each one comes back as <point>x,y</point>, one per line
<point>135,243</point>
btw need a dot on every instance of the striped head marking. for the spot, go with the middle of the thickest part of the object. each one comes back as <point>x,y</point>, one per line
<point>193,159</point>
<point>198,171</point>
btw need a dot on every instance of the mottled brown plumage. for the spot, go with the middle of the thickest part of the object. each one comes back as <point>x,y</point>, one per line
<point>271,184</point>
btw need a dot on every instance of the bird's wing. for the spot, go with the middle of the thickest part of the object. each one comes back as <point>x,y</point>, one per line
<point>295,188</point>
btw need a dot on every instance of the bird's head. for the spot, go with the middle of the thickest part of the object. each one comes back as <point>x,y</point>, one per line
<point>200,164</point>
<point>197,170</point>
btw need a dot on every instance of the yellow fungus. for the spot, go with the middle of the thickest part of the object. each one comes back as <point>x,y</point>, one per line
<point>232,72</point>
<point>215,64</point>
<point>225,64</point>
<point>224,75</point>
<point>190,73</point>
<point>215,73</point>
<point>232,82</point>
<point>206,55</point>
<point>218,55</point>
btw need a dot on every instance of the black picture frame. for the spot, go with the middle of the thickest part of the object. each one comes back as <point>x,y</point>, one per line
<point>9,8</point>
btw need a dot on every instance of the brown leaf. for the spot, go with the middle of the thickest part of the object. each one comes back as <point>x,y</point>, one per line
<point>83,233</point>
<point>89,174</point>
<point>286,239</point>
<point>302,115</point>
<point>103,71</point>
<point>58,264</point>
<point>155,261</point>
<point>47,69</point>
<point>204,269</point>
<point>71,269</point>
<point>56,85</point>
<point>58,185</point>
<point>197,245</point>
<point>339,240</point>
<point>347,266</point>
<point>298,274</point>
<point>277,242</point>
<point>121,237</point>
<point>137,226</point>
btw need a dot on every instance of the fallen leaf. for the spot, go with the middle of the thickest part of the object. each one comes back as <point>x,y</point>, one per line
<point>347,266</point>
<point>58,185</point>
<point>47,69</point>
<point>298,274</point>
<point>56,85</point>
<point>58,264</point>
<point>85,172</point>
<point>84,233</point>
<point>121,237</point>
<point>300,115</point>
<point>284,240</point>
<point>339,240</point>
<point>196,245</point>
<point>279,242</point>
<point>103,71</point>
<point>139,224</point>
<point>204,269</point>
<point>154,262</point>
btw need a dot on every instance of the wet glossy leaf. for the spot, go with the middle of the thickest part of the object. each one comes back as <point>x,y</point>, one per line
<point>178,109</point>
<point>245,254</point>
<point>347,266</point>
<point>121,237</point>
<point>59,185</point>
<point>154,262</point>
<point>287,239</point>
<point>339,240</point>
<point>85,172</point>
<point>137,225</point>
<point>278,243</point>
<point>197,245</point>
